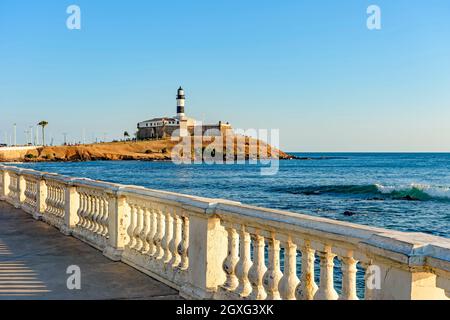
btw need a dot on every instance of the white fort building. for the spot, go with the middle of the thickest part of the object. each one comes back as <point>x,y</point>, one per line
<point>158,128</point>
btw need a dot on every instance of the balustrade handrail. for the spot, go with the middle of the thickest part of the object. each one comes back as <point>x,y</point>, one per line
<point>185,236</point>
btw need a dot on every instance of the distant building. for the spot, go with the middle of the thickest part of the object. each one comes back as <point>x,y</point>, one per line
<point>163,127</point>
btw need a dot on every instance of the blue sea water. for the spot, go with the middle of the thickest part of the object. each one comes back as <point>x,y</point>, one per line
<point>407,192</point>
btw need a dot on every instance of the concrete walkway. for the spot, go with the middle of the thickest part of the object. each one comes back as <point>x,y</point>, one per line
<point>34,258</point>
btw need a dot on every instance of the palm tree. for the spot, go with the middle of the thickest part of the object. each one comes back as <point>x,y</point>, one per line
<point>43,124</point>
<point>126,135</point>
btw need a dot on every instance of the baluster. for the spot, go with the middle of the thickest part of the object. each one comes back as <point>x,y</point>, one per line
<point>230,263</point>
<point>326,287</point>
<point>244,288</point>
<point>61,204</point>
<point>90,211</point>
<point>86,210</point>
<point>131,227</point>
<point>48,198</point>
<point>52,200</point>
<point>91,206</point>
<point>28,187</point>
<point>80,209</point>
<point>35,195</point>
<point>176,240</point>
<point>273,274</point>
<point>184,246</point>
<point>34,192</point>
<point>348,277</point>
<point>98,222</point>
<point>258,269</point>
<point>101,208</point>
<point>160,233</point>
<point>153,229</point>
<point>138,229</point>
<point>289,281</point>
<point>308,287</point>
<point>96,213</point>
<point>93,213</point>
<point>27,191</point>
<point>168,235</point>
<point>57,202</point>
<point>104,218</point>
<point>145,230</point>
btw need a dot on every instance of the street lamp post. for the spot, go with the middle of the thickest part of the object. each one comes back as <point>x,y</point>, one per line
<point>15,135</point>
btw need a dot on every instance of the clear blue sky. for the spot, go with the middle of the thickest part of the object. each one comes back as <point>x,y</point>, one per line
<point>310,68</point>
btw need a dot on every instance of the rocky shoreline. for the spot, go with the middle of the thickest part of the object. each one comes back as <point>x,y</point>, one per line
<point>152,150</point>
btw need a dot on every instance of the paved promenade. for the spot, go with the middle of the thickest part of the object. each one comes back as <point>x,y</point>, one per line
<point>34,258</point>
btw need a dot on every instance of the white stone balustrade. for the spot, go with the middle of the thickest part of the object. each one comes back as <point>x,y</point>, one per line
<point>218,249</point>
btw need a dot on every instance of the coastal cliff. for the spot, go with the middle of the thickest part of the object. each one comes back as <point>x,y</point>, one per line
<point>153,150</point>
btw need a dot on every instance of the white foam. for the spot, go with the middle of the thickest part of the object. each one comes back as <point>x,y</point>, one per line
<point>432,191</point>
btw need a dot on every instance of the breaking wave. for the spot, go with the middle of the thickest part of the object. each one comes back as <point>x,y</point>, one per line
<point>411,192</point>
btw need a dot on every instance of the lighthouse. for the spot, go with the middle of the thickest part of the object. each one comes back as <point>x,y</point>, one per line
<point>177,126</point>
<point>180,103</point>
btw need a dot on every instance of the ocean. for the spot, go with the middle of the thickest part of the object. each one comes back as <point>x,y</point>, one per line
<point>402,191</point>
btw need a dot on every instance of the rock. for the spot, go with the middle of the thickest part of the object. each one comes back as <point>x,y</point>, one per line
<point>409,198</point>
<point>376,199</point>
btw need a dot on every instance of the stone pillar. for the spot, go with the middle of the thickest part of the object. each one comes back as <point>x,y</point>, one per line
<point>397,268</point>
<point>118,212</point>
<point>207,252</point>
<point>444,282</point>
<point>41,196</point>
<point>398,283</point>
<point>5,190</point>
<point>72,202</point>
<point>22,185</point>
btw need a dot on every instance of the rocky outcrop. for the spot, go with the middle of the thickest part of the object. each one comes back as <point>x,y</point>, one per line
<point>155,150</point>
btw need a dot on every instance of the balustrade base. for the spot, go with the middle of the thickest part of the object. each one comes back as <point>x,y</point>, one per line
<point>225,294</point>
<point>65,230</point>
<point>37,216</point>
<point>28,208</point>
<point>191,292</point>
<point>112,253</point>
<point>94,240</point>
<point>155,268</point>
<point>52,220</point>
